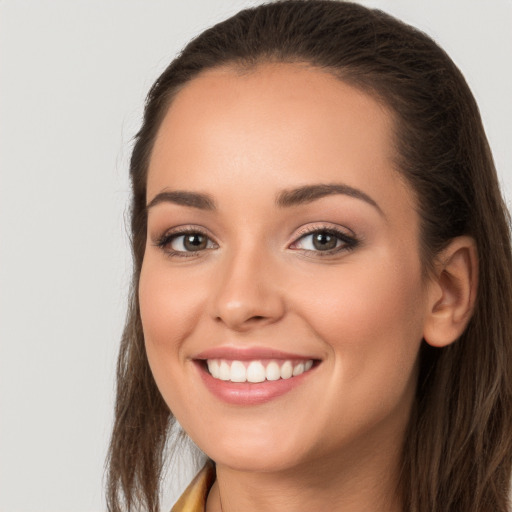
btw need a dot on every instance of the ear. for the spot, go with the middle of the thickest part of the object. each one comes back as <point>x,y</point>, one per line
<point>452,292</point>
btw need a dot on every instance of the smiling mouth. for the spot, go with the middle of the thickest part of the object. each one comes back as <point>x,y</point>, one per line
<point>257,370</point>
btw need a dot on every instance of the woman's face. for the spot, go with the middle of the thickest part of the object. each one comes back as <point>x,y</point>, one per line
<point>282,248</point>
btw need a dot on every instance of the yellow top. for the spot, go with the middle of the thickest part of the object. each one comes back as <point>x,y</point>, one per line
<point>194,497</point>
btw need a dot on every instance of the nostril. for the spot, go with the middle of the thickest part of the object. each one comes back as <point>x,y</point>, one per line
<point>241,315</point>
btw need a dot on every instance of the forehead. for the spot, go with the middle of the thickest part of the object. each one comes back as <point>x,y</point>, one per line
<point>289,124</point>
<point>298,98</point>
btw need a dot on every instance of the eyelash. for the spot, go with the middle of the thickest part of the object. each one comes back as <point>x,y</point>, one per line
<point>348,243</point>
<point>164,242</point>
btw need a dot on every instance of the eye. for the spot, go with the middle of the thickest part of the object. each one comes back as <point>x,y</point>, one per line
<point>189,242</point>
<point>328,241</point>
<point>181,243</point>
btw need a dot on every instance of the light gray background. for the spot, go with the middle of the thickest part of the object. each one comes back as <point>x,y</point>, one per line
<point>73,76</point>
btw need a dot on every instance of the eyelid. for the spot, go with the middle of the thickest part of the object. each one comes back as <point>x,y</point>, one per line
<point>323,226</point>
<point>163,241</point>
<point>349,240</point>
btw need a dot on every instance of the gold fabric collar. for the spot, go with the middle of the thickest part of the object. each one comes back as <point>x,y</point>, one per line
<point>194,497</point>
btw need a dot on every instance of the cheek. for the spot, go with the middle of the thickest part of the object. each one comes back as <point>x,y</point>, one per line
<point>364,297</point>
<point>371,317</point>
<point>168,306</point>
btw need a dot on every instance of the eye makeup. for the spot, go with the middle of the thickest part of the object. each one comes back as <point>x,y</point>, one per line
<point>324,241</point>
<point>316,240</point>
<point>185,242</point>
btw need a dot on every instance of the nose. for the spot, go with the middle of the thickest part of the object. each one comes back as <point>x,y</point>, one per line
<point>247,293</point>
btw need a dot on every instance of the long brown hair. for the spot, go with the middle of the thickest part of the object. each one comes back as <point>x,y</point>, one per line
<point>457,454</point>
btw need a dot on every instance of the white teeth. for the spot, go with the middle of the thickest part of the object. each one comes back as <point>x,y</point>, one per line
<point>224,371</point>
<point>273,372</point>
<point>256,371</point>
<point>213,368</point>
<point>238,373</point>
<point>298,369</point>
<point>286,370</point>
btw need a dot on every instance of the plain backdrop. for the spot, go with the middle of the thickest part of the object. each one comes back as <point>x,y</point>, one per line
<point>73,76</point>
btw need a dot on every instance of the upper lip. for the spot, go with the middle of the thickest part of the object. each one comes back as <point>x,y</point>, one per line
<point>248,353</point>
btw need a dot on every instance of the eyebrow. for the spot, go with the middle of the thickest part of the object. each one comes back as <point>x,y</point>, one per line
<point>286,198</point>
<point>183,198</point>
<point>310,193</point>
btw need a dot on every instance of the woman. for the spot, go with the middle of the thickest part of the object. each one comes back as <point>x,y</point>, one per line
<point>322,288</point>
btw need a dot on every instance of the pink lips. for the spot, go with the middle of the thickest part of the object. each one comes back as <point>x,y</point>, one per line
<point>248,393</point>
<point>245,354</point>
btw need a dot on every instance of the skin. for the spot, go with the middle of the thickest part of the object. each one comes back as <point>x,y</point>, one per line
<point>333,442</point>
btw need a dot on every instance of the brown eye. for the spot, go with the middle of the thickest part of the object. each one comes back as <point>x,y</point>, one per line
<point>194,242</point>
<point>323,241</point>
<point>190,242</point>
<point>328,241</point>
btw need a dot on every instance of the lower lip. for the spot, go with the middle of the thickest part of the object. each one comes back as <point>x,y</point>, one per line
<point>250,393</point>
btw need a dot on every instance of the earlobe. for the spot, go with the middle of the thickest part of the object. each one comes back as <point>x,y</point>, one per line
<point>452,292</point>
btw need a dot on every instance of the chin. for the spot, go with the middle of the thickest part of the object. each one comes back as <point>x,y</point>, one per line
<point>256,460</point>
<point>250,450</point>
